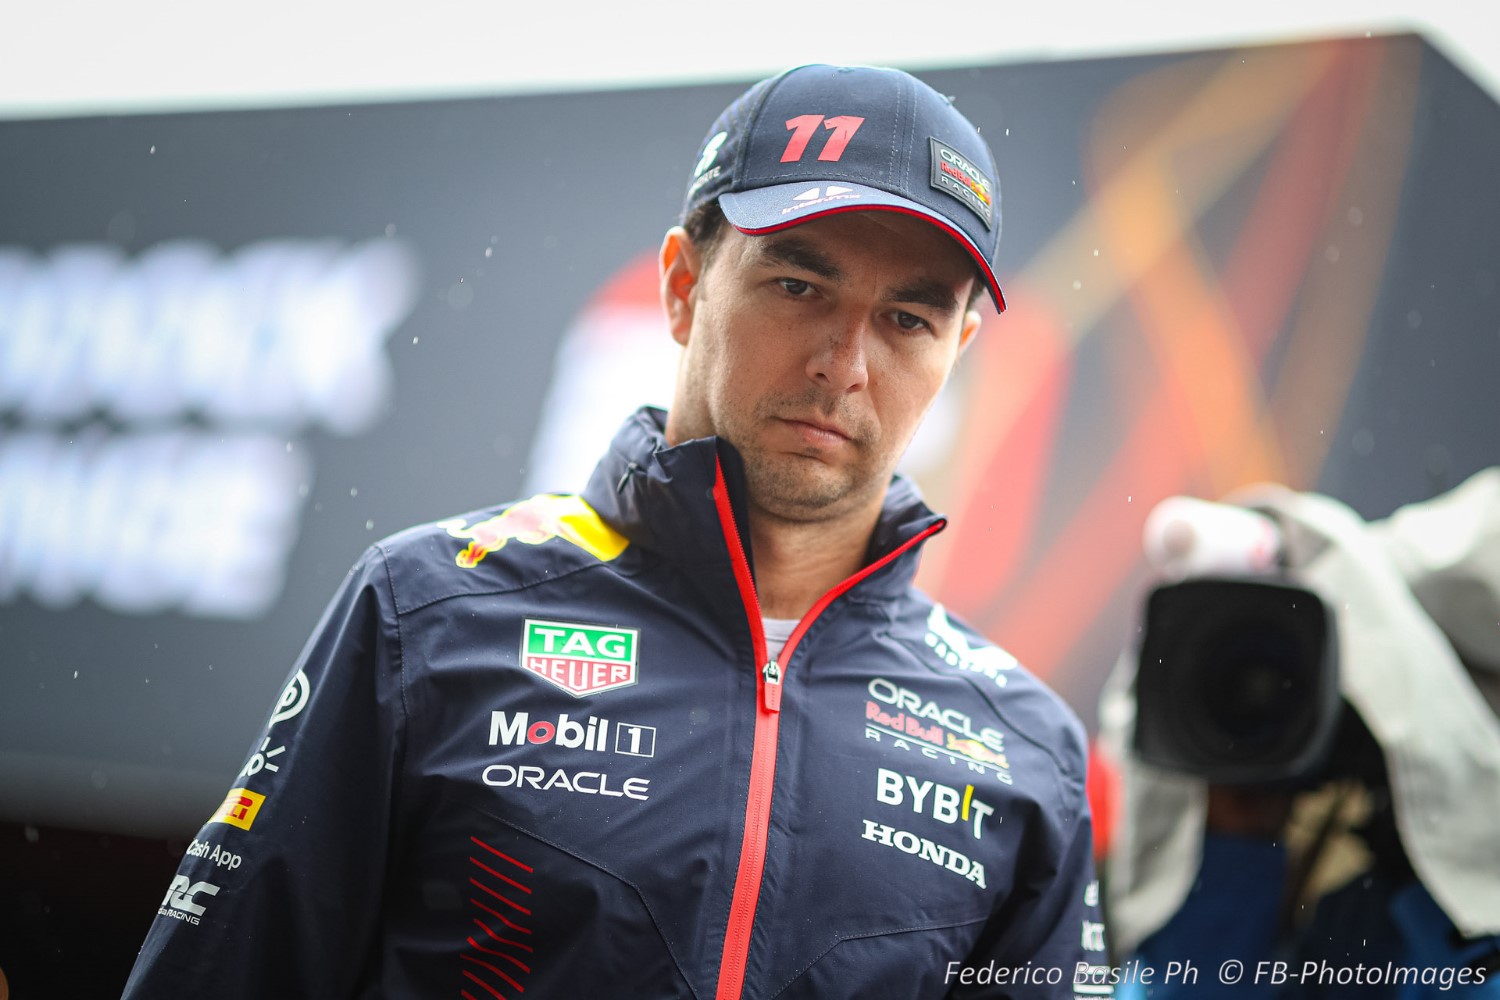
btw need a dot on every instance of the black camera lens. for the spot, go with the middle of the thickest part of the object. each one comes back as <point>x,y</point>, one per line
<point>1252,692</point>
<point>1237,681</point>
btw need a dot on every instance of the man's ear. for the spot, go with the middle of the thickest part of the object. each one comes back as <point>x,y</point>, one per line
<point>970,327</point>
<point>681,264</point>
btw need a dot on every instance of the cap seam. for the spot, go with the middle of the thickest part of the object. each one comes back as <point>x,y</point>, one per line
<point>903,179</point>
<point>743,152</point>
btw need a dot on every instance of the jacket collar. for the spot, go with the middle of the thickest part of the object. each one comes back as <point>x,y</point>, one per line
<point>661,499</point>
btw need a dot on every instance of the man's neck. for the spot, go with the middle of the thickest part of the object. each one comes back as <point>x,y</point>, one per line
<point>798,562</point>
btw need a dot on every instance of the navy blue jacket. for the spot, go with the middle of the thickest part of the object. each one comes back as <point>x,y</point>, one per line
<point>542,751</point>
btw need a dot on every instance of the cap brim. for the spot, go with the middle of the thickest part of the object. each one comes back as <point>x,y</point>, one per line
<point>782,206</point>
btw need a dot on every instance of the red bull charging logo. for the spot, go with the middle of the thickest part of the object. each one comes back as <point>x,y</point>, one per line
<point>534,521</point>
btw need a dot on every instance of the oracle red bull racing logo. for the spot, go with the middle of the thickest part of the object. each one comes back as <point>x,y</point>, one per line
<point>533,522</point>
<point>907,721</point>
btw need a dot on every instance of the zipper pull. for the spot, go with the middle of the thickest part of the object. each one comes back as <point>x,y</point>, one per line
<point>772,674</point>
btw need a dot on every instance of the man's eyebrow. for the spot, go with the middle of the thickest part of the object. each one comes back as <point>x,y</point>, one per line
<point>927,292</point>
<point>798,253</point>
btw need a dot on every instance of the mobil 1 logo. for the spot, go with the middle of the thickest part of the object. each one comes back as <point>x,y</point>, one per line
<point>514,729</point>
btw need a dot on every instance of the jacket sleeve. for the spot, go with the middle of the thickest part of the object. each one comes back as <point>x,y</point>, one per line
<point>1047,939</point>
<point>279,893</point>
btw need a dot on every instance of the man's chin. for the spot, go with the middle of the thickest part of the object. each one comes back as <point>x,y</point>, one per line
<point>801,489</point>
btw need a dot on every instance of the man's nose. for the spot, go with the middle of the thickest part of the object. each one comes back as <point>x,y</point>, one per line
<point>839,361</point>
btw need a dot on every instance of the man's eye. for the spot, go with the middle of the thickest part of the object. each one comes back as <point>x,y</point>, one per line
<point>909,321</point>
<point>793,286</point>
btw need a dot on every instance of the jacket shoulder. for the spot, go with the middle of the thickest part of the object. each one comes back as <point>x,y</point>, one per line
<point>1024,703</point>
<point>498,549</point>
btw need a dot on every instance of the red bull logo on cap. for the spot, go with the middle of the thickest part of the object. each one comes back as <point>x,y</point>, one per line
<point>534,521</point>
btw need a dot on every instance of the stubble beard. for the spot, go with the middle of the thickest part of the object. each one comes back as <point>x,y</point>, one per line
<point>801,487</point>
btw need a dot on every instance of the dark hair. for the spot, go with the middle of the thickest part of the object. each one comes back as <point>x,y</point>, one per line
<point>705,227</point>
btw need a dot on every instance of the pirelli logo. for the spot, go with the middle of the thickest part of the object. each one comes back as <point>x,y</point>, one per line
<point>239,808</point>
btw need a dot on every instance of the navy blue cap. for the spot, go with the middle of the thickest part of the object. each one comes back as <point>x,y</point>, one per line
<point>818,139</point>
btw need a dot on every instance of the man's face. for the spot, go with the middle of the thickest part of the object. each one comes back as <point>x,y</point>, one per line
<point>816,351</point>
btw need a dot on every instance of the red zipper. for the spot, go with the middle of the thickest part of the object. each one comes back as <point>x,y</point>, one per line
<point>767,726</point>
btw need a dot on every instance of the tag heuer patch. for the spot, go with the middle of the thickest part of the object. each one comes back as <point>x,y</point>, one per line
<point>580,659</point>
<point>954,173</point>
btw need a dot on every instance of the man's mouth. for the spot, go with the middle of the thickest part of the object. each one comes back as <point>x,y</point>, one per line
<point>819,432</point>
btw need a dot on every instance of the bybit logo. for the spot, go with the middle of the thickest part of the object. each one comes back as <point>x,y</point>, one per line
<point>944,803</point>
